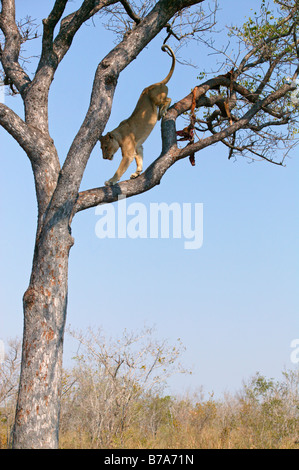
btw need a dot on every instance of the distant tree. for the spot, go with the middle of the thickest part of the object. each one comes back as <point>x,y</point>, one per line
<point>242,108</point>
<point>271,408</point>
<point>9,379</point>
<point>104,391</point>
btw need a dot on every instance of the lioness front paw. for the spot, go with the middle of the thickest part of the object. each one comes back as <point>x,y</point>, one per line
<point>110,182</point>
<point>134,175</point>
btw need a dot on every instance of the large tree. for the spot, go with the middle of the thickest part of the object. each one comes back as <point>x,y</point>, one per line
<point>243,108</point>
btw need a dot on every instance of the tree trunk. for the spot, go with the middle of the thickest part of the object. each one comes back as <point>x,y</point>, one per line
<point>45,302</point>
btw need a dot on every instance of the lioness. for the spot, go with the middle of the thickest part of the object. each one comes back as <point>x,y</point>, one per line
<point>132,132</point>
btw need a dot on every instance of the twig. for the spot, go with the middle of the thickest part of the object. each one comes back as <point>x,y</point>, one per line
<point>130,12</point>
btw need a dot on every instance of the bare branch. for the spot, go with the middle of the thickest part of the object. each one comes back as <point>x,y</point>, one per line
<point>49,24</point>
<point>130,12</point>
<point>268,74</point>
<point>10,54</point>
<point>72,23</point>
<point>281,122</point>
<point>247,148</point>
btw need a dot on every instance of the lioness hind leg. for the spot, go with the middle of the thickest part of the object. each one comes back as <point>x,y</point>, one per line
<point>158,95</point>
<point>163,108</point>
<point>139,161</point>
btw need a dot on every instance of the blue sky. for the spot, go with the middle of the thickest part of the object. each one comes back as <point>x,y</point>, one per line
<point>233,302</point>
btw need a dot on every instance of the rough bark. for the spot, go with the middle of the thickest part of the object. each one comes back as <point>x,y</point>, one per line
<point>45,302</point>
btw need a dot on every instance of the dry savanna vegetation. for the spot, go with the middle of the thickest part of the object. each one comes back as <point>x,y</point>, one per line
<point>114,396</point>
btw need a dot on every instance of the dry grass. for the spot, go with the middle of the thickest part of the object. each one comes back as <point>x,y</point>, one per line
<point>264,415</point>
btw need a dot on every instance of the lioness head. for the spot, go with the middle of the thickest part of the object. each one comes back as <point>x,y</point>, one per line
<point>109,146</point>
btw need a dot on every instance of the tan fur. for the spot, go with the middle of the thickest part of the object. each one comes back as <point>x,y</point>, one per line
<point>132,132</point>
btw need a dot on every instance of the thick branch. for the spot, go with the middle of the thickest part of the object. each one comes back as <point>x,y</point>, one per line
<point>40,151</point>
<point>56,14</point>
<point>18,129</point>
<point>146,181</point>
